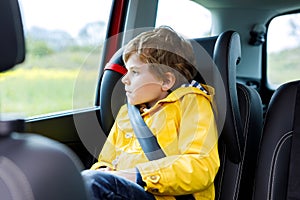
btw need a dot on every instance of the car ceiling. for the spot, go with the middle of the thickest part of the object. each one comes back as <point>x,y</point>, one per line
<point>278,6</point>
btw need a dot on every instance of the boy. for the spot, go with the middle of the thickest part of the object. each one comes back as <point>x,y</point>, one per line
<point>160,66</point>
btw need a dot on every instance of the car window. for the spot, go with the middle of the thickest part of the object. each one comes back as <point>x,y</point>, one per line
<point>63,45</point>
<point>181,15</point>
<point>283,47</point>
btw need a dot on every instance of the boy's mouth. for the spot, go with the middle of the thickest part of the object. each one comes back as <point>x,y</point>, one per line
<point>127,91</point>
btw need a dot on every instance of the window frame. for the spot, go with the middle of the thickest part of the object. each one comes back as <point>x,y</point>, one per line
<point>265,82</point>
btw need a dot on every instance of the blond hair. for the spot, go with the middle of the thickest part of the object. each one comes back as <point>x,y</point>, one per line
<point>166,51</point>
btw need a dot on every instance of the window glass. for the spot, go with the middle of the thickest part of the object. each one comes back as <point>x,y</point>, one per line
<point>63,46</point>
<point>181,15</point>
<point>283,49</point>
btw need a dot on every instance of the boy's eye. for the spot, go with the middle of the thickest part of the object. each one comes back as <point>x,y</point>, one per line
<point>134,71</point>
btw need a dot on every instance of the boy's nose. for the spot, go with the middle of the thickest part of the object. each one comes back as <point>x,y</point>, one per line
<point>125,80</point>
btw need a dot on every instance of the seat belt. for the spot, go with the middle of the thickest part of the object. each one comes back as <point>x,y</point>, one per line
<point>293,191</point>
<point>148,141</point>
<point>144,135</point>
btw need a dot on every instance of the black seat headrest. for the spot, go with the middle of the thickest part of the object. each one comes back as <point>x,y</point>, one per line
<point>12,47</point>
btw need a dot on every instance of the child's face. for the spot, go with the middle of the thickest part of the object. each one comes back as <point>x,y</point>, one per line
<point>141,85</point>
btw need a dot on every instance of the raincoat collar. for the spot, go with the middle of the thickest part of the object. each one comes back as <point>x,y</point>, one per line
<point>193,88</point>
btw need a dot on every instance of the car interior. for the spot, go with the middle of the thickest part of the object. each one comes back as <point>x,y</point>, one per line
<point>42,155</point>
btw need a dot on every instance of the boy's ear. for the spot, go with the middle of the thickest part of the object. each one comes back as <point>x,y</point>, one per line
<point>169,81</point>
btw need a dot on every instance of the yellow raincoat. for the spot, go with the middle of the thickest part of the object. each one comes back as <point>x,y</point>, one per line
<point>184,126</point>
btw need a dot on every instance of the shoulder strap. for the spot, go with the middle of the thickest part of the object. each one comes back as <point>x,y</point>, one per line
<point>293,191</point>
<point>144,135</point>
<point>148,141</point>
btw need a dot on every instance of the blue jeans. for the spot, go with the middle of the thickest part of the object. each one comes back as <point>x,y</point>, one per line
<point>101,185</point>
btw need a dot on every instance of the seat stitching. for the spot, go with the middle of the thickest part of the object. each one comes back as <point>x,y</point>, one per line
<point>222,173</point>
<point>240,167</point>
<point>274,161</point>
<point>248,104</point>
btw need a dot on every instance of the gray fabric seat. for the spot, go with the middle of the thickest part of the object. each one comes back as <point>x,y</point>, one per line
<point>34,167</point>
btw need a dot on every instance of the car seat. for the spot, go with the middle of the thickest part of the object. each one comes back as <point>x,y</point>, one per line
<point>240,136</point>
<point>238,143</point>
<point>275,167</point>
<point>32,167</point>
